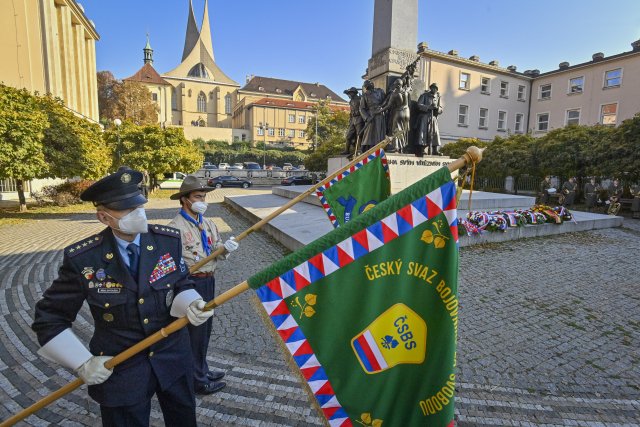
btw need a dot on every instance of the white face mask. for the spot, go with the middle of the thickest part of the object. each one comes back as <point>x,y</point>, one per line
<point>133,223</point>
<point>199,207</point>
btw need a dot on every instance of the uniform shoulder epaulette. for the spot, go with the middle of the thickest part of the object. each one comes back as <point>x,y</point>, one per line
<point>83,245</point>
<point>165,230</point>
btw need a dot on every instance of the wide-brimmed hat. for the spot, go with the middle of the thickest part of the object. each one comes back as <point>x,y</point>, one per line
<point>118,191</point>
<point>352,89</point>
<point>434,85</point>
<point>190,184</point>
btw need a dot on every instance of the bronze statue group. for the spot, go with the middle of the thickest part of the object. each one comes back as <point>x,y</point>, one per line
<point>376,114</point>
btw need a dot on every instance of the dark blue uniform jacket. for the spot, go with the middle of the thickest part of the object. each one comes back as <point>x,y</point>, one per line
<point>125,311</point>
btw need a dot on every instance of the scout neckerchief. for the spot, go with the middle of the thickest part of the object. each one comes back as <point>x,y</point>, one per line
<point>203,234</point>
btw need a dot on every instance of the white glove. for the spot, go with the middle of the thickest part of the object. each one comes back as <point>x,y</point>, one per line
<point>231,244</point>
<point>93,371</point>
<point>195,313</point>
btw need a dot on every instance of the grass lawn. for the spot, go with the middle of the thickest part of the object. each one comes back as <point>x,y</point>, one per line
<point>12,216</point>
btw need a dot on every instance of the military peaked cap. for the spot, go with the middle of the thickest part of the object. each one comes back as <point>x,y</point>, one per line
<point>118,191</point>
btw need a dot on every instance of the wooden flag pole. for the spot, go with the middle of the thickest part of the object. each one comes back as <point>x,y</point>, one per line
<point>473,155</point>
<point>290,203</point>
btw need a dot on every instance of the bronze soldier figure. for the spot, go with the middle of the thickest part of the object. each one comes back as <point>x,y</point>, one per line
<point>375,125</point>
<point>356,122</point>
<point>428,134</point>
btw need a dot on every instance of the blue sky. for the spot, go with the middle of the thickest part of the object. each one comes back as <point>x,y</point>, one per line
<point>329,41</point>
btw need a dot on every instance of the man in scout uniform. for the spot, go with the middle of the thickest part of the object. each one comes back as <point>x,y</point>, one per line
<point>200,237</point>
<point>135,282</point>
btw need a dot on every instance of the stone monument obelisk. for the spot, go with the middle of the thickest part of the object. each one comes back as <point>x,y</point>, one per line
<point>395,40</point>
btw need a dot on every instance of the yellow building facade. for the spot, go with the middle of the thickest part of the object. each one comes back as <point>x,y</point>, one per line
<point>277,111</point>
<point>48,46</point>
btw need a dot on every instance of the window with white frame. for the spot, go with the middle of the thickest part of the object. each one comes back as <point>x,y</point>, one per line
<point>485,85</point>
<point>483,118</point>
<point>202,103</point>
<point>613,78</point>
<point>301,134</point>
<point>576,84</point>
<point>463,115</point>
<point>573,117</point>
<point>502,120</point>
<point>301,119</point>
<point>227,103</point>
<point>543,122</point>
<point>260,131</point>
<point>522,92</point>
<point>609,114</point>
<point>465,79</point>
<point>504,89</point>
<point>292,118</point>
<point>280,132</point>
<point>545,91</point>
<point>271,132</point>
<point>518,124</point>
<point>292,133</point>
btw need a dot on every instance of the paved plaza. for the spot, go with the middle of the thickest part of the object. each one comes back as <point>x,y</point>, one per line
<point>549,333</point>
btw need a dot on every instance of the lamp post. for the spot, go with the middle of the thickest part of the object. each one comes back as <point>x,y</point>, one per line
<point>264,127</point>
<point>118,122</point>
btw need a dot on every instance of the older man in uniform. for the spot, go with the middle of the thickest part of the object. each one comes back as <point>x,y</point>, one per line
<point>135,282</point>
<point>200,237</point>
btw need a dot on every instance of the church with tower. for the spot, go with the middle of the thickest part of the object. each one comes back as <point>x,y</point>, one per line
<point>199,97</point>
<point>196,95</point>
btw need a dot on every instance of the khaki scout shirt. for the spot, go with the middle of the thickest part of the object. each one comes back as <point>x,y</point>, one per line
<point>192,249</point>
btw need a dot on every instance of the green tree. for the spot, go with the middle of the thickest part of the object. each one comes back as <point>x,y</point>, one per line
<point>153,149</point>
<point>621,158</point>
<point>72,145</point>
<point>456,149</point>
<point>332,124</point>
<point>22,127</point>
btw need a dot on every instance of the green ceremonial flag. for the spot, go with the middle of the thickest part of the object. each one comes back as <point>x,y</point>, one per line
<point>356,190</point>
<point>369,311</point>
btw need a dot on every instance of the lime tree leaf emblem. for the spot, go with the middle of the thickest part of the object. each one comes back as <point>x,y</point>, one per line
<point>437,239</point>
<point>367,420</point>
<point>306,308</point>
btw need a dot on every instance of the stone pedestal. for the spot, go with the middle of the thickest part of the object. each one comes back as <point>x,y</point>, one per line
<point>404,169</point>
<point>395,34</point>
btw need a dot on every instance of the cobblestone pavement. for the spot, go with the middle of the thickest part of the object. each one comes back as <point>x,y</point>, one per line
<point>549,332</point>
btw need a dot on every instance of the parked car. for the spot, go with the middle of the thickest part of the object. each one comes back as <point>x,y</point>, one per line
<point>252,166</point>
<point>297,180</point>
<point>228,181</point>
<point>172,180</point>
<point>237,166</point>
<point>223,166</point>
<point>210,167</point>
<point>287,166</point>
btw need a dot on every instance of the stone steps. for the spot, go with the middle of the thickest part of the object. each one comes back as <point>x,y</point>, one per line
<point>305,222</point>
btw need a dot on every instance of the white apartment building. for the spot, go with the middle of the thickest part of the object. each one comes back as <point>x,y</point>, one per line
<point>605,90</point>
<point>480,100</point>
<point>484,100</point>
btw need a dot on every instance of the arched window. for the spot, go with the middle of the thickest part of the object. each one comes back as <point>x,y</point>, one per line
<point>198,70</point>
<point>227,103</point>
<point>202,103</point>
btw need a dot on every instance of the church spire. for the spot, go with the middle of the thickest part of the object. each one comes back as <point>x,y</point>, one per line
<point>192,35</point>
<point>205,30</point>
<point>148,52</point>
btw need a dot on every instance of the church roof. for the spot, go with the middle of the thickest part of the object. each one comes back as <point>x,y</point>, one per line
<point>148,74</point>
<point>287,87</point>
<point>298,105</point>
